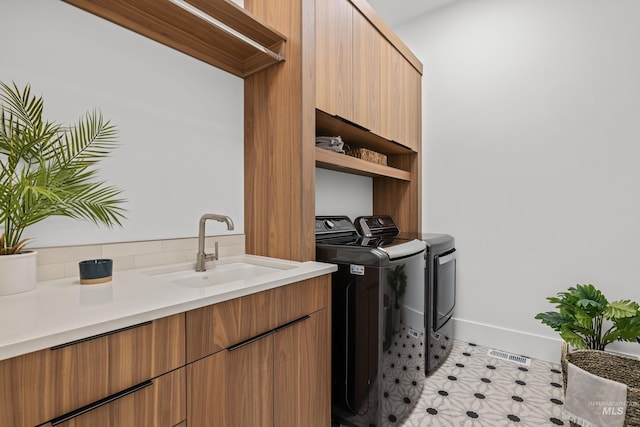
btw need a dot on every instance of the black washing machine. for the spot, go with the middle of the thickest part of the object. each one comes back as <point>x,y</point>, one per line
<point>436,303</point>
<point>369,290</point>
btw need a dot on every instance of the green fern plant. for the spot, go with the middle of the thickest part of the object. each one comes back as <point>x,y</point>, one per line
<point>47,169</point>
<point>586,320</point>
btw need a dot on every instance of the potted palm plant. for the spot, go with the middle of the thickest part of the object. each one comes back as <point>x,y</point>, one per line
<point>47,169</point>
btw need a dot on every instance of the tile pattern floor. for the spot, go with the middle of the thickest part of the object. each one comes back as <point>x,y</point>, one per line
<point>471,389</point>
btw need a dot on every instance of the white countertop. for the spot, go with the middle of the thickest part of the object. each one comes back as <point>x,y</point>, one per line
<point>60,311</point>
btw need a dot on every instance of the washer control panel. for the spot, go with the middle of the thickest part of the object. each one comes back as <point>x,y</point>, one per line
<point>377,225</point>
<point>334,225</point>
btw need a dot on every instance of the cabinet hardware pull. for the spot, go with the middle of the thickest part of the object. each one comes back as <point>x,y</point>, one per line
<point>250,340</point>
<point>93,337</point>
<point>90,407</point>
<point>293,322</point>
<point>342,119</point>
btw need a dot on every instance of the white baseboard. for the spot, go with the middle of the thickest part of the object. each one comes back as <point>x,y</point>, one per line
<point>413,318</point>
<point>509,340</point>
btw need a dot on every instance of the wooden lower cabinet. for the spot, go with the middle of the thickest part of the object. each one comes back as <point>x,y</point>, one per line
<point>156,403</point>
<point>40,386</point>
<point>140,376</point>
<point>279,379</point>
<point>302,370</point>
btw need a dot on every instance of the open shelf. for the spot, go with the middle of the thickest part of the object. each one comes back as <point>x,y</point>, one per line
<point>169,24</point>
<point>355,136</point>
<point>326,159</point>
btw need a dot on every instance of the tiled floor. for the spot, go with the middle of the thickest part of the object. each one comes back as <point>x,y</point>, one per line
<point>471,389</point>
<point>474,389</point>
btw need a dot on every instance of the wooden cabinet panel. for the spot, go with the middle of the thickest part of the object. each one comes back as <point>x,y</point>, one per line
<point>170,25</point>
<point>216,327</point>
<point>233,387</point>
<point>301,373</point>
<point>162,403</point>
<point>412,132</point>
<point>401,199</point>
<point>207,391</point>
<point>42,385</point>
<point>287,366</point>
<point>393,81</point>
<point>299,299</point>
<point>334,57</point>
<point>250,384</point>
<point>279,174</point>
<point>382,93</point>
<point>366,83</point>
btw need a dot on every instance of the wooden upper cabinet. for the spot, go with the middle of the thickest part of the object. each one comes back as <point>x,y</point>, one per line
<point>334,57</point>
<point>367,84</point>
<point>361,76</point>
<point>400,99</point>
<point>412,107</point>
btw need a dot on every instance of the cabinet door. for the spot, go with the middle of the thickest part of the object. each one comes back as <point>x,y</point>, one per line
<point>42,385</point>
<point>334,57</point>
<point>302,373</point>
<point>250,390</point>
<point>366,83</point>
<point>393,80</point>
<point>412,107</point>
<point>156,403</point>
<point>233,388</point>
<point>207,391</point>
<point>400,98</point>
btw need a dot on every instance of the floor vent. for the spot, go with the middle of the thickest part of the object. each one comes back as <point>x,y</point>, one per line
<point>510,357</point>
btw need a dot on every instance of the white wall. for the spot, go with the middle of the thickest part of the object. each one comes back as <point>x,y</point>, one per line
<point>180,120</point>
<point>340,193</point>
<point>531,156</point>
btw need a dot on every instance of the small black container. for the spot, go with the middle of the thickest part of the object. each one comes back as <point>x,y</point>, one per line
<point>94,271</point>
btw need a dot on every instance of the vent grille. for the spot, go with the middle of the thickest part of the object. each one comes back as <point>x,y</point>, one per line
<point>510,357</point>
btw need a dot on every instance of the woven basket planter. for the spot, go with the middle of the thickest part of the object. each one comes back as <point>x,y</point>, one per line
<point>611,366</point>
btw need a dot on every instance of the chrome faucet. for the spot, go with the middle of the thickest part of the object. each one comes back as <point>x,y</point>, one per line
<point>202,257</point>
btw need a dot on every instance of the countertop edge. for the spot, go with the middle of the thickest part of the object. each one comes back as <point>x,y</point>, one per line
<point>36,342</point>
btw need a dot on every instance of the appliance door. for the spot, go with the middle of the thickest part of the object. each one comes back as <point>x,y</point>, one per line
<point>444,287</point>
<point>355,341</point>
<point>403,289</point>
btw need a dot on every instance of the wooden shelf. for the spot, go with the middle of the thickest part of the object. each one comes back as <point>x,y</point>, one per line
<point>172,26</point>
<point>355,136</point>
<point>326,159</point>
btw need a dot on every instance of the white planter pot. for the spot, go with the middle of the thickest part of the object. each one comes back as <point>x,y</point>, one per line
<point>17,273</point>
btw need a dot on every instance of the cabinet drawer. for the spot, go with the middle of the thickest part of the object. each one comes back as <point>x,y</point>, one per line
<point>43,385</point>
<point>302,298</point>
<point>156,403</point>
<point>216,327</point>
<point>219,326</point>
